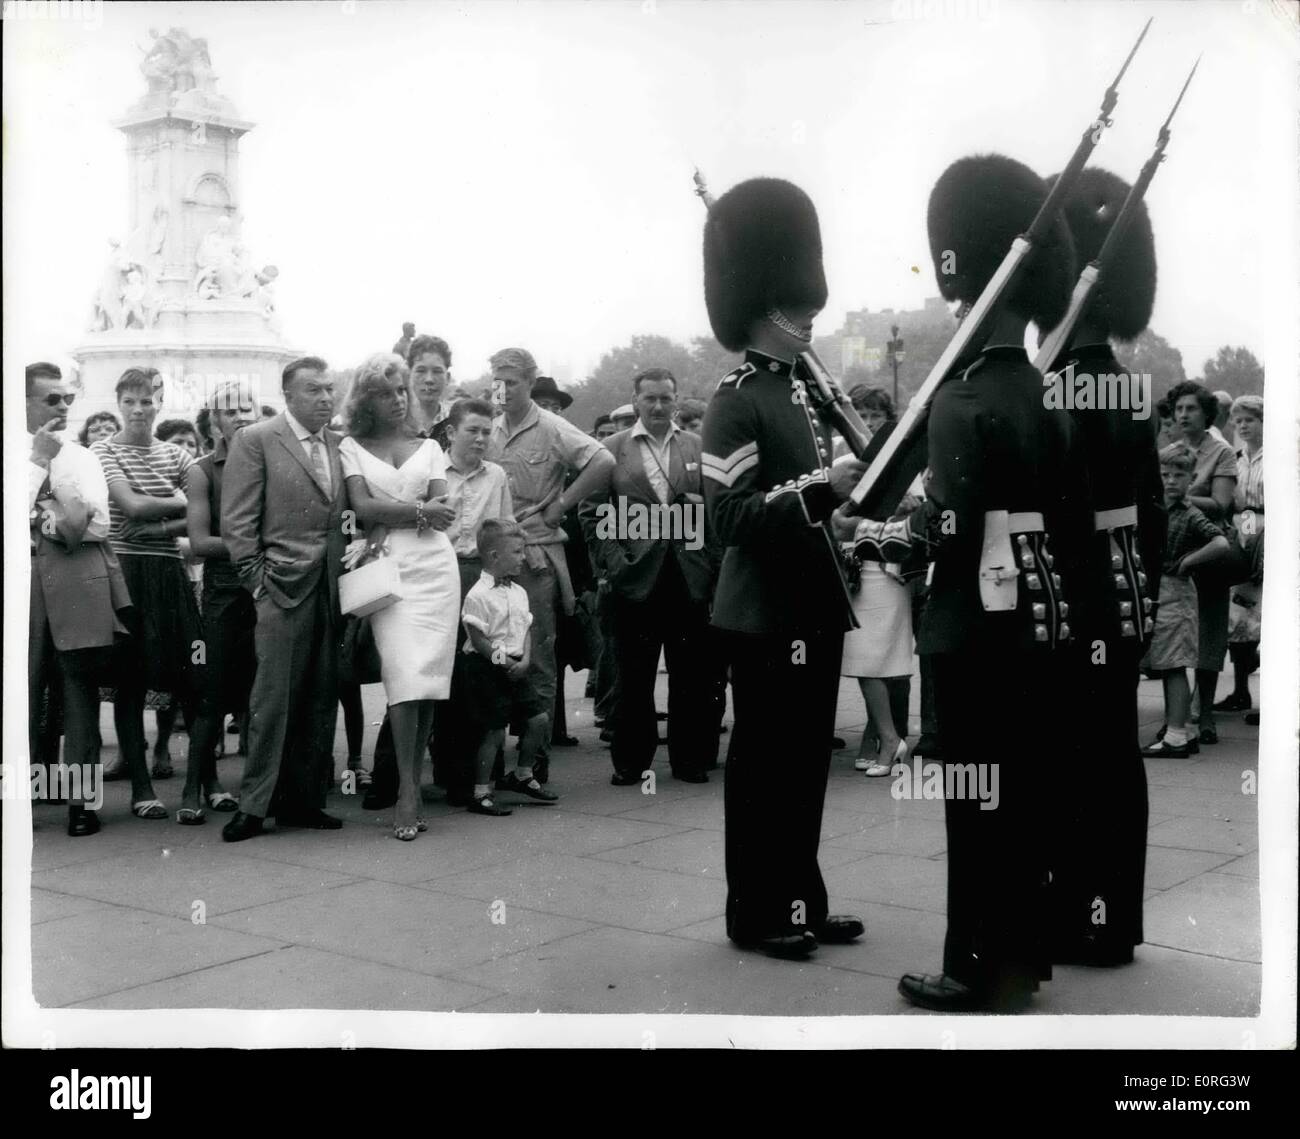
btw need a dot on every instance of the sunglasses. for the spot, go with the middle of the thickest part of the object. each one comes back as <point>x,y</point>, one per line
<point>56,398</point>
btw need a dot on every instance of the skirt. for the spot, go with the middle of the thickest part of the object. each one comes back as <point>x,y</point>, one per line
<point>1174,639</point>
<point>166,629</point>
<point>882,646</point>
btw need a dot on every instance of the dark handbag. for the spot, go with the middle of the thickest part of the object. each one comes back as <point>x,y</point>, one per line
<point>574,636</point>
<point>358,653</point>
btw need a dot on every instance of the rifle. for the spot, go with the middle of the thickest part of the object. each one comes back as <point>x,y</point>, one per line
<point>896,457</point>
<point>1059,337</point>
<point>825,395</point>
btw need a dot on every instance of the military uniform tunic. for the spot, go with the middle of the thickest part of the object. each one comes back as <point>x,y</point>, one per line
<point>783,608</point>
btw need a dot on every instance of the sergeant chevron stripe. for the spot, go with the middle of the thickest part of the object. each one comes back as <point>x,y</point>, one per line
<point>728,470</point>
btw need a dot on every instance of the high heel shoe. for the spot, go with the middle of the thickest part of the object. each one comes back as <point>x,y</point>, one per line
<point>864,762</point>
<point>880,768</point>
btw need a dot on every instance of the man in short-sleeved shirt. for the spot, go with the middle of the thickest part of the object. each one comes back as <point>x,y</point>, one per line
<point>538,449</point>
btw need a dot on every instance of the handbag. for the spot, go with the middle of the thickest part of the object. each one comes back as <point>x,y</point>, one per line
<point>358,654</point>
<point>370,588</point>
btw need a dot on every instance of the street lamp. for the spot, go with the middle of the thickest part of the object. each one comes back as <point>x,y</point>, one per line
<point>894,350</point>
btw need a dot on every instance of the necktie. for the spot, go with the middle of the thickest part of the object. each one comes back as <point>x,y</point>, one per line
<point>318,461</point>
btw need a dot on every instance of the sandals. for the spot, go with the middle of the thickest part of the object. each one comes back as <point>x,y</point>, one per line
<point>149,809</point>
<point>162,769</point>
<point>223,801</point>
<point>485,806</point>
<point>406,834</point>
<point>190,816</point>
<point>114,773</point>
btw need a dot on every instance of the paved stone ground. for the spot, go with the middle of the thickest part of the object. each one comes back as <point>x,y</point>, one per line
<point>613,900</point>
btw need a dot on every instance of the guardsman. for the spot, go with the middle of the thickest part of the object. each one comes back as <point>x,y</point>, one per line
<point>997,612</point>
<point>1099,837</point>
<point>780,601</point>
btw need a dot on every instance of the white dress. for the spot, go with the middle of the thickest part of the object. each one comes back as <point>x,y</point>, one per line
<point>416,637</point>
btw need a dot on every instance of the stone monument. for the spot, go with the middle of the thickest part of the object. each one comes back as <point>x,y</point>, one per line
<point>180,292</point>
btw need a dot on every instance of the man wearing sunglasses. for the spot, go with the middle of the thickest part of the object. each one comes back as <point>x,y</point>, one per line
<point>77,586</point>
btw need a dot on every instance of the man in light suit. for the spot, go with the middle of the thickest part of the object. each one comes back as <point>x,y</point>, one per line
<point>282,520</point>
<point>77,588</point>
<point>646,537</point>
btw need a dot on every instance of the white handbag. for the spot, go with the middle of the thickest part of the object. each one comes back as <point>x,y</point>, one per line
<point>374,586</point>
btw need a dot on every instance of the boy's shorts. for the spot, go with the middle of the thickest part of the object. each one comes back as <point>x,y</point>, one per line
<point>492,699</point>
<point>1175,637</point>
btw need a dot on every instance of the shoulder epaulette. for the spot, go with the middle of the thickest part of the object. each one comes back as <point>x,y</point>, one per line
<point>735,378</point>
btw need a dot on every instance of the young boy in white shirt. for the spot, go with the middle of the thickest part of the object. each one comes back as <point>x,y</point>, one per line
<point>498,687</point>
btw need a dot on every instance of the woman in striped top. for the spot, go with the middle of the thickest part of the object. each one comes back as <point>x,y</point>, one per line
<point>147,511</point>
<point>1245,607</point>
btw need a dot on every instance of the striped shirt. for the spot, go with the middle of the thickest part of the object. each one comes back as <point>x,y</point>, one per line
<point>1250,480</point>
<point>156,470</point>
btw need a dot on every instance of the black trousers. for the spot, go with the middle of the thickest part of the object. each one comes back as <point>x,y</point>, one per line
<point>1099,828</point>
<point>670,621</point>
<point>992,707</point>
<point>784,691</point>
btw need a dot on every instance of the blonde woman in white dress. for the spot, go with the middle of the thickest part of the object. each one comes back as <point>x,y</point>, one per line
<point>396,483</point>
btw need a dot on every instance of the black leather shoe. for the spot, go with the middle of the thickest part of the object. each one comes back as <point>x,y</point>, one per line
<point>690,776</point>
<point>840,929</point>
<point>241,826</point>
<point>837,743</point>
<point>939,992</point>
<point>1234,703</point>
<point>607,735</point>
<point>378,798</point>
<point>1209,735</point>
<point>81,822</point>
<point>620,779</point>
<point>789,947</point>
<point>315,820</point>
<point>564,741</point>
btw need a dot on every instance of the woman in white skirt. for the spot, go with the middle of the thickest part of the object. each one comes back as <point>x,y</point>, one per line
<point>396,481</point>
<point>880,649</point>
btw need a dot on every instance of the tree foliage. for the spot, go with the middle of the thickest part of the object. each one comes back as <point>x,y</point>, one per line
<point>1151,354</point>
<point>1234,370</point>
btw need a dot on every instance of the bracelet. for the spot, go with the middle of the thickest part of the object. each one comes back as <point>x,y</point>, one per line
<point>421,522</point>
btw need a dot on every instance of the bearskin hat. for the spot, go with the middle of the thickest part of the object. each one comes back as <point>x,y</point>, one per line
<point>1125,292</point>
<point>762,248</point>
<point>977,209</point>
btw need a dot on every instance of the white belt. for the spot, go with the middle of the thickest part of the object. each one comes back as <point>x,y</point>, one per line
<point>1115,519</point>
<point>1023,522</point>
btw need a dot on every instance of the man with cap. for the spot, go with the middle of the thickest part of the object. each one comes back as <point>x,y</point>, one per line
<point>1100,831</point>
<point>994,512</point>
<point>623,417</point>
<point>780,600</point>
<point>603,428</point>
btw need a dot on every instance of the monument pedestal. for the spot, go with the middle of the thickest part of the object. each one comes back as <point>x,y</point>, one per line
<point>179,294</point>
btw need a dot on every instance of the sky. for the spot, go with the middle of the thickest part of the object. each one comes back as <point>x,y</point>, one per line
<point>520,173</point>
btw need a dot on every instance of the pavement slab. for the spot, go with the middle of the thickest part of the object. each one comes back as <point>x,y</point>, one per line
<point>610,901</point>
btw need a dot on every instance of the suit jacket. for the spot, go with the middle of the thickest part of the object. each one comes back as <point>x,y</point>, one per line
<point>632,565</point>
<point>83,591</point>
<point>282,529</point>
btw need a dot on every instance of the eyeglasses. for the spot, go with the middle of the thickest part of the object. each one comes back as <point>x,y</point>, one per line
<point>56,398</point>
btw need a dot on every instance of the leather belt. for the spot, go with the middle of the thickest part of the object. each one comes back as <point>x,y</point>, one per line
<point>1115,519</point>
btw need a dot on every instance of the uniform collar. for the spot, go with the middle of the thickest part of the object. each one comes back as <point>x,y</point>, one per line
<point>769,365</point>
<point>1014,352</point>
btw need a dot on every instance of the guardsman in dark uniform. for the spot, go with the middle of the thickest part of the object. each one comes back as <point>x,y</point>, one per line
<point>997,612</point>
<point>1099,838</point>
<point>780,598</point>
